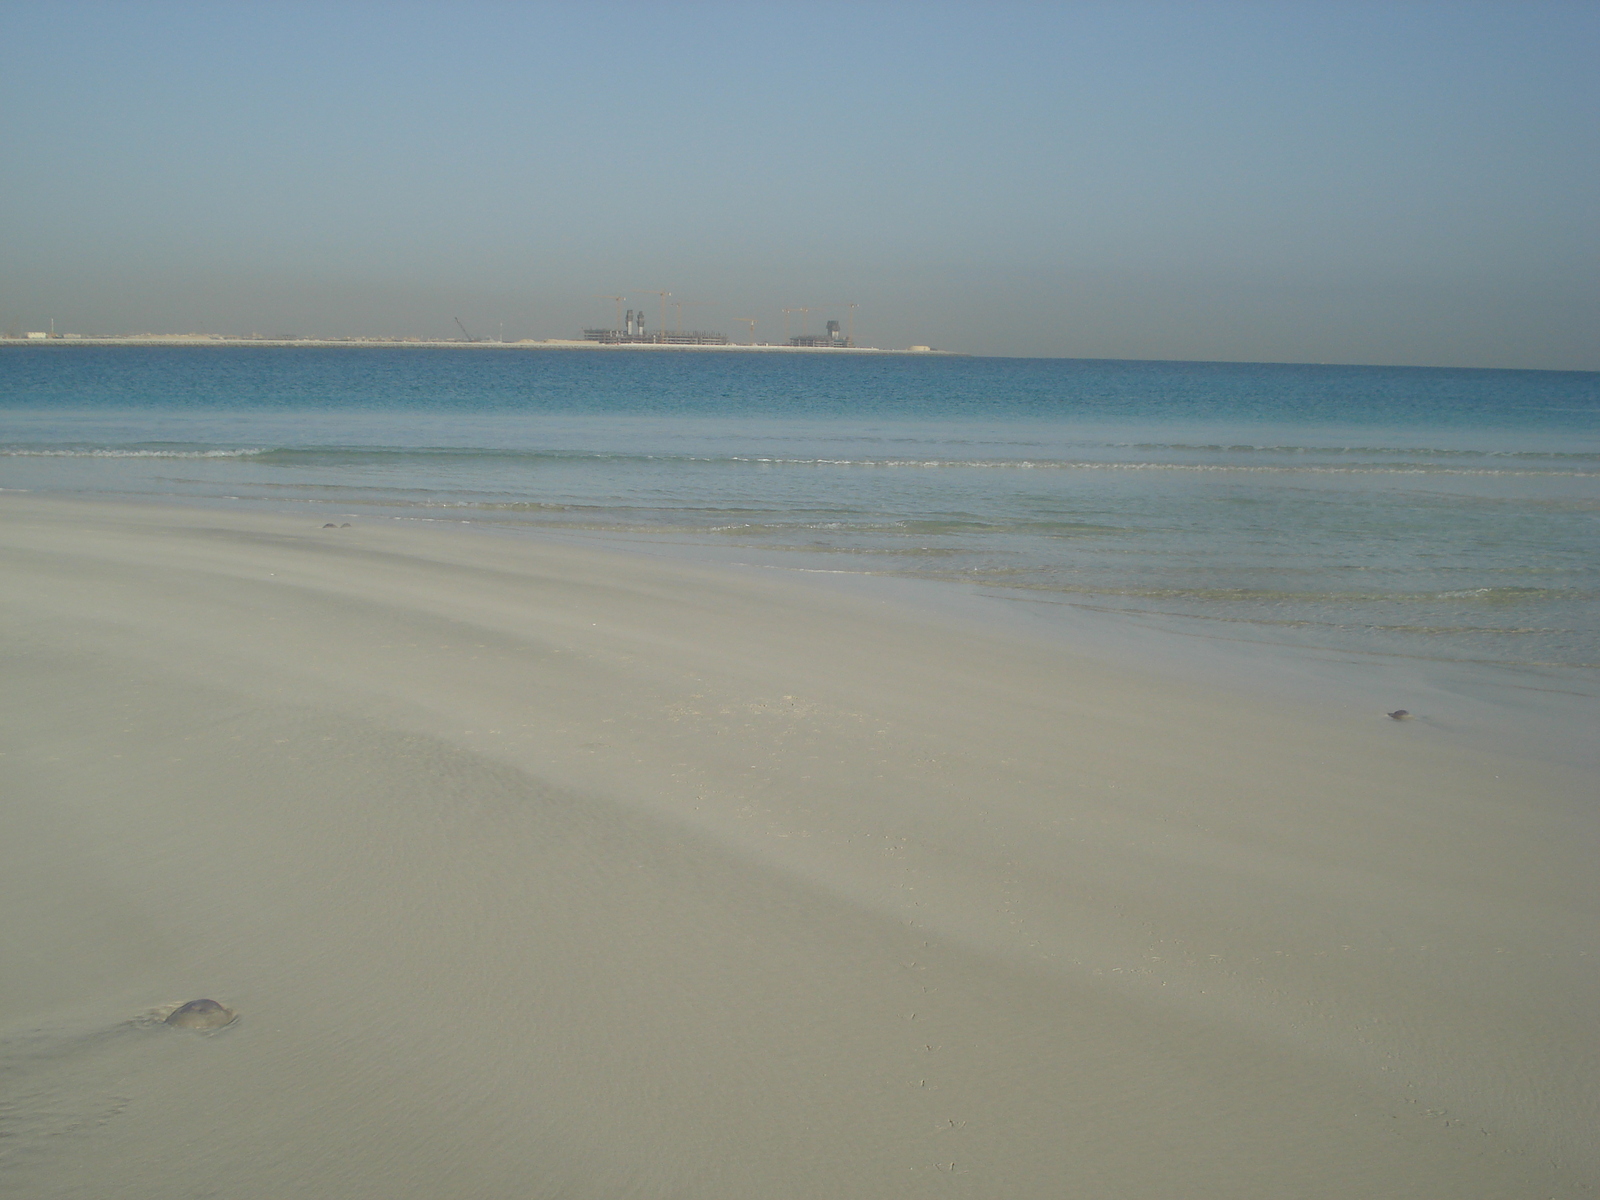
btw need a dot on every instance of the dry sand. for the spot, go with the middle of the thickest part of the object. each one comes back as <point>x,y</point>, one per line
<point>537,871</point>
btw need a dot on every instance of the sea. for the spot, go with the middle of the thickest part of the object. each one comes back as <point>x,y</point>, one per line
<point>1375,532</point>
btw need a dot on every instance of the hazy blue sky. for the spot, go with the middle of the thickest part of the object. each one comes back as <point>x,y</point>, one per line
<point>1341,182</point>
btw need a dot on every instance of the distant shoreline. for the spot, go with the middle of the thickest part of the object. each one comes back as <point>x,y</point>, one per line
<point>397,343</point>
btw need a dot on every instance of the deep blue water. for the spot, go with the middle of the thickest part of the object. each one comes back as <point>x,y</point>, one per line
<point>1438,514</point>
<point>669,383</point>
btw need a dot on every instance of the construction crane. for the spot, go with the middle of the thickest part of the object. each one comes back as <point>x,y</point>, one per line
<point>804,313</point>
<point>850,318</point>
<point>619,300</point>
<point>464,332</point>
<point>679,305</point>
<point>663,295</point>
<point>750,321</point>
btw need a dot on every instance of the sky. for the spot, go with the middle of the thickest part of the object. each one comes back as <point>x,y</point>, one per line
<point>1389,183</point>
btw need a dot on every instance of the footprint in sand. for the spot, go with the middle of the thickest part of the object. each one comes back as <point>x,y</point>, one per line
<point>63,1083</point>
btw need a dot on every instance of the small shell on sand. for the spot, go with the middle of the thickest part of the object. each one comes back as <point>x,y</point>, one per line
<point>202,1014</point>
<point>1400,714</point>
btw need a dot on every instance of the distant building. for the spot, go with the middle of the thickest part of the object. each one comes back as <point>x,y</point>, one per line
<point>635,335</point>
<point>833,337</point>
<point>40,335</point>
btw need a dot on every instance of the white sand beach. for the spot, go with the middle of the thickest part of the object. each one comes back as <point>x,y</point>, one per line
<point>538,871</point>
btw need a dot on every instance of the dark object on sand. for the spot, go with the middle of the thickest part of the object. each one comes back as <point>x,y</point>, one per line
<point>1400,714</point>
<point>345,525</point>
<point>330,525</point>
<point>202,1014</point>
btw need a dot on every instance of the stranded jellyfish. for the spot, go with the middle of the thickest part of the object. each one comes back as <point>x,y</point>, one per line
<point>202,1014</point>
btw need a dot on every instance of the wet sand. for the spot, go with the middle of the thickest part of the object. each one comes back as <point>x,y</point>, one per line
<point>533,870</point>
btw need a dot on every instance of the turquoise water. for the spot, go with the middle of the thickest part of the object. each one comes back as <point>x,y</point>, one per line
<point>1445,515</point>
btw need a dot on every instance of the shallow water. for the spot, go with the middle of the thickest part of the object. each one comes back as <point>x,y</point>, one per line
<point>1439,515</point>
